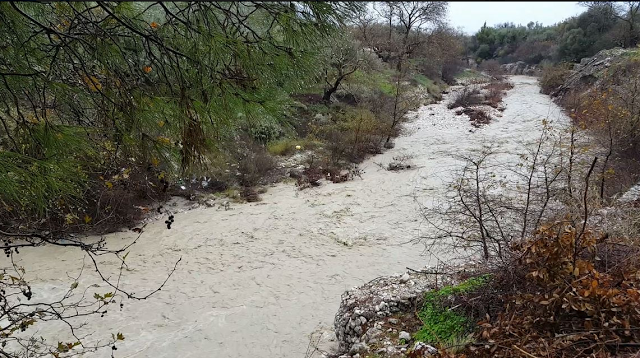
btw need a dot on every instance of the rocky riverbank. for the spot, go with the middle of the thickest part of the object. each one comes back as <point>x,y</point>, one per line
<point>263,279</point>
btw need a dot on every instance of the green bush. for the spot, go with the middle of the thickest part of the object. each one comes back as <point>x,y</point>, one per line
<point>288,146</point>
<point>441,324</point>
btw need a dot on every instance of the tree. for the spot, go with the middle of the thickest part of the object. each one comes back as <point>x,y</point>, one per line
<point>484,52</point>
<point>92,92</point>
<point>442,54</point>
<point>573,45</point>
<point>91,89</point>
<point>344,57</point>
<point>412,17</point>
<point>363,22</point>
<point>627,12</point>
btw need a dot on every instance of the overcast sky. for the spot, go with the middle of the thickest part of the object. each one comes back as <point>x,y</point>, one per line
<point>471,15</point>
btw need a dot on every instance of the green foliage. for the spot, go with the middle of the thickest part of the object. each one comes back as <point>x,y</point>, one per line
<point>554,76</point>
<point>382,81</point>
<point>265,131</point>
<point>433,88</point>
<point>288,146</point>
<point>601,26</point>
<point>88,85</point>
<point>423,80</point>
<point>484,52</point>
<point>468,74</point>
<point>442,325</point>
<point>47,167</point>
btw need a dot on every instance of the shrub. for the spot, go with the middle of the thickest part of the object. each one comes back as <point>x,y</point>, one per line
<point>493,68</point>
<point>609,112</point>
<point>254,163</point>
<point>356,133</point>
<point>567,292</point>
<point>553,77</point>
<point>450,70</point>
<point>477,116</point>
<point>289,146</point>
<point>110,199</point>
<point>496,91</point>
<point>441,323</point>
<point>265,132</point>
<point>469,96</point>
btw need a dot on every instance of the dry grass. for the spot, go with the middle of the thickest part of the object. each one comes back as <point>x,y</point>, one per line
<point>496,91</point>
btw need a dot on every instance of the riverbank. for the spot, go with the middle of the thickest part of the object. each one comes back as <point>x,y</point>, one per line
<point>257,280</point>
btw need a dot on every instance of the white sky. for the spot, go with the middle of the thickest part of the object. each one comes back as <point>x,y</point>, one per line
<point>471,15</point>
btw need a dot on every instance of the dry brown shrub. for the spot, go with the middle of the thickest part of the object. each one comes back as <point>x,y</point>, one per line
<point>496,91</point>
<point>477,116</point>
<point>254,162</point>
<point>493,68</point>
<point>469,96</point>
<point>250,194</point>
<point>565,293</point>
<point>612,121</point>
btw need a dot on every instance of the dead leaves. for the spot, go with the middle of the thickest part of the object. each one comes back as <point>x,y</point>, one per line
<point>564,305</point>
<point>92,83</point>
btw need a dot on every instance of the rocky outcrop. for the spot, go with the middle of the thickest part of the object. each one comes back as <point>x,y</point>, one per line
<point>521,68</point>
<point>591,70</point>
<point>631,196</point>
<point>366,313</point>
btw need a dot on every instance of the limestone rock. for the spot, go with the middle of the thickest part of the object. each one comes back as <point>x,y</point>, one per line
<point>363,309</point>
<point>405,335</point>
<point>591,70</point>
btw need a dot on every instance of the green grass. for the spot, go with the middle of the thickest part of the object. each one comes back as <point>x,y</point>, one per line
<point>319,108</point>
<point>440,324</point>
<point>468,73</point>
<point>423,80</point>
<point>288,146</point>
<point>434,88</point>
<point>382,81</point>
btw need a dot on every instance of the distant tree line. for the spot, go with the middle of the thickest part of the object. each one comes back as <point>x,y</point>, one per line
<point>603,25</point>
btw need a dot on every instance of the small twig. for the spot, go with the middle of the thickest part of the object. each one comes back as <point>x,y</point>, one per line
<point>586,208</point>
<point>428,272</point>
<point>524,352</point>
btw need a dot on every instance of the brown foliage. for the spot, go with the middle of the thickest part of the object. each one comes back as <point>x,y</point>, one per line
<point>477,116</point>
<point>610,116</point>
<point>469,96</point>
<point>566,293</point>
<point>318,169</point>
<point>254,163</point>
<point>492,67</point>
<point>496,91</point>
<point>250,194</point>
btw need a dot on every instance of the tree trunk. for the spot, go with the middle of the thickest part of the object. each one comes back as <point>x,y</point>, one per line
<point>328,92</point>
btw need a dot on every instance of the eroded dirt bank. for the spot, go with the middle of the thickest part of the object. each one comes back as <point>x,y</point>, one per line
<point>259,279</point>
